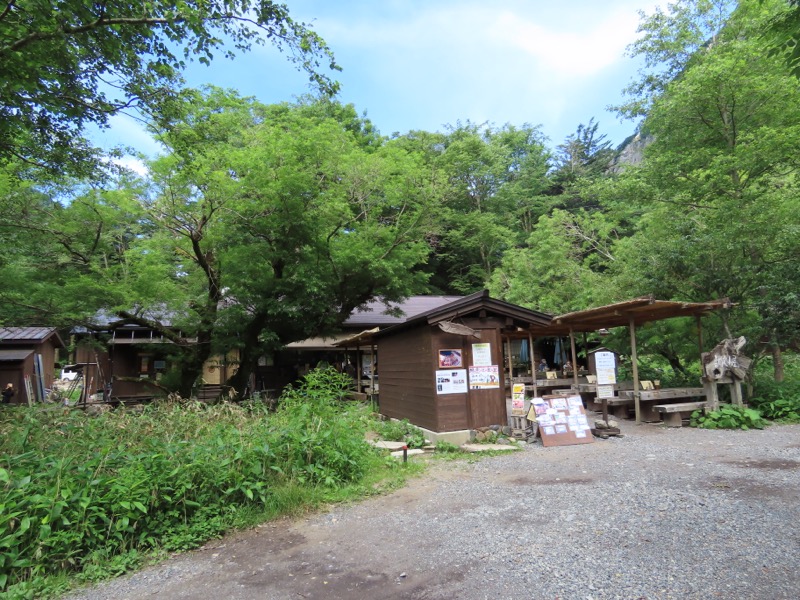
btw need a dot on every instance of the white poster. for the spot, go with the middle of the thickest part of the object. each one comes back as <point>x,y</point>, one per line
<point>453,381</point>
<point>481,355</point>
<point>484,378</point>
<point>605,391</point>
<point>606,364</point>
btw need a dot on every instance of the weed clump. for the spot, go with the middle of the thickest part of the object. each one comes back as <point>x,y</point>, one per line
<point>90,495</point>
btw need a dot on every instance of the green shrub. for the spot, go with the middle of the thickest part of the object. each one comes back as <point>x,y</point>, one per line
<point>728,417</point>
<point>401,431</point>
<point>90,494</point>
<point>777,401</point>
<point>447,448</point>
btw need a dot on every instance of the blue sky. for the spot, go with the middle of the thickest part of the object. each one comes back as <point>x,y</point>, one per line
<point>414,64</point>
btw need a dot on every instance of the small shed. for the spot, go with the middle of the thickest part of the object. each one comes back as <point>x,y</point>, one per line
<point>443,370</point>
<point>27,360</point>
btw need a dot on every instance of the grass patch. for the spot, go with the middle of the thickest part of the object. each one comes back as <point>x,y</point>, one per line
<point>92,497</point>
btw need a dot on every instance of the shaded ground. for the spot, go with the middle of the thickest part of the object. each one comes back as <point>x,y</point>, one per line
<point>657,514</point>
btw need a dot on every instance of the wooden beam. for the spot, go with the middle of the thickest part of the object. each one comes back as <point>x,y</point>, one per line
<point>635,363</point>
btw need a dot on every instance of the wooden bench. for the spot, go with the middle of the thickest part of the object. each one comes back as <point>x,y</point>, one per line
<point>673,414</point>
<point>650,398</point>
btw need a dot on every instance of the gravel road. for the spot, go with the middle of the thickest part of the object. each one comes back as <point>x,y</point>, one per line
<point>659,513</point>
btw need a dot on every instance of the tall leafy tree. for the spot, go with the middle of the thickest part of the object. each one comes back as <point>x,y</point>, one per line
<point>287,219</point>
<point>719,182</point>
<point>69,64</point>
<point>492,178</point>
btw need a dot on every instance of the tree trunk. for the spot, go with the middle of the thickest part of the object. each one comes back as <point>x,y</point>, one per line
<point>777,362</point>
<point>248,355</point>
<point>675,363</point>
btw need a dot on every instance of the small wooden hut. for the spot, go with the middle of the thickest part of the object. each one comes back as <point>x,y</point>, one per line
<point>27,360</point>
<point>443,370</point>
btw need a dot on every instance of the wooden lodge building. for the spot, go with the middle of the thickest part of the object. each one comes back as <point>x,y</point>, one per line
<point>27,361</point>
<point>445,369</point>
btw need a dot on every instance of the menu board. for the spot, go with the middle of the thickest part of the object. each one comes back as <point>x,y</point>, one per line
<point>562,420</point>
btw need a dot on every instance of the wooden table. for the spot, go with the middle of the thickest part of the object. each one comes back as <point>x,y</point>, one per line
<point>649,398</point>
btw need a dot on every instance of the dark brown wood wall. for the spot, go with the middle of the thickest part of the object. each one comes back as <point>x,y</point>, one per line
<point>406,377</point>
<point>488,407</point>
<point>408,365</point>
<point>14,373</point>
<point>48,351</point>
<point>452,409</point>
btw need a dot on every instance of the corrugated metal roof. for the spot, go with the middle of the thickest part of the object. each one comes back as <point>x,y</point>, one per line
<point>27,334</point>
<point>375,312</point>
<point>14,355</point>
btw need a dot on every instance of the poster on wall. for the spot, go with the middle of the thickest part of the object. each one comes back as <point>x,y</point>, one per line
<point>450,358</point>
<point>606,365</point>
<point>484,378</point>
<point>452,381</point>
<point>482,355</point>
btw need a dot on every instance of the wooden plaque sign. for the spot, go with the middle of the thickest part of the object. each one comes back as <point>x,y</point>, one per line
<point>562,420</point>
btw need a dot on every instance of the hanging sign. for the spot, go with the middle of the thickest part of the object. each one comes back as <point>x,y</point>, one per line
<point>605,391</point>
<point>518,399</point>
<point>606,365</point>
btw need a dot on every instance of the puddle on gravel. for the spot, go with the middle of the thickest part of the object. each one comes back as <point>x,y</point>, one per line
<point>531,481</point>
<point>774,464</point>
<point>751,489</point>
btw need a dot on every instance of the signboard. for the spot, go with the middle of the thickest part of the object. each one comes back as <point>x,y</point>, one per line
<point>518,399</point>
<point>484,378</point>
<point>606,365</point>
<point>562,420</point>
<point>482,355</point>
<point>453,381</point>
<point>605,391</point>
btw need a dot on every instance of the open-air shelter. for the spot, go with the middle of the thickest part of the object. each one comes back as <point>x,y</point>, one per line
<point>630,313</point>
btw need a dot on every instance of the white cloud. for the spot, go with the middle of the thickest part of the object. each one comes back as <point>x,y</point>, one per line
<point>127,132</point>
<point>567,53</point>
<point>132,164</point>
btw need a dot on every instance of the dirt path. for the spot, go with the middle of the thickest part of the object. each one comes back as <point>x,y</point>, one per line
<point>657,514</point>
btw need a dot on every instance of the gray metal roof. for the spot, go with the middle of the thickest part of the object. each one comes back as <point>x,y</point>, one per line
<point>375,312</point>
<point>27,334</point>
<point>14,355</point>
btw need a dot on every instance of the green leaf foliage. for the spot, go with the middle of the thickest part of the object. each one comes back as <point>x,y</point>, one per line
<point>66,65</point>
<point>92,494</point>
<point>728,417</point>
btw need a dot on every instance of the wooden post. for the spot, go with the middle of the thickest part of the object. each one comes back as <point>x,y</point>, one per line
<point>574,359</point>
<point>736,392</point>
<point>533,367</point>
<point>510,364</point>
<point>359,364</point>
<point>710,389</point>
<point>373,369</point>
<point>637,395</point>
<point>698,320</point>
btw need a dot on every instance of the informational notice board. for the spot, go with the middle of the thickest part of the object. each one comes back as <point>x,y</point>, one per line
<point>562,420</point>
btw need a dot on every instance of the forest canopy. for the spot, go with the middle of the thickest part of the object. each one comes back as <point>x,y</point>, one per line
<point>260,224</point>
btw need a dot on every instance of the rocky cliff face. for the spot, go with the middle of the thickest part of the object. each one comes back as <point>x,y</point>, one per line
<point>631,151</point>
